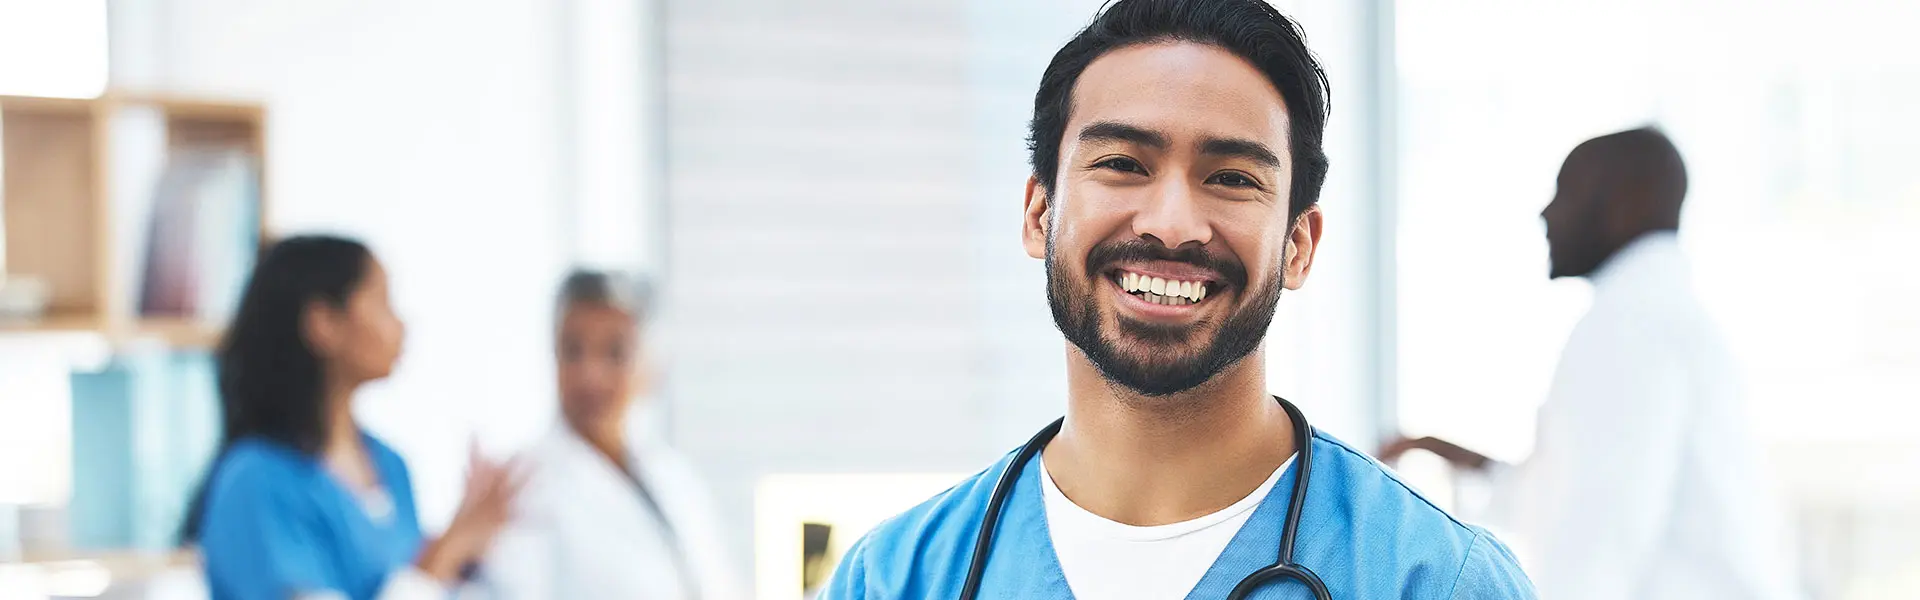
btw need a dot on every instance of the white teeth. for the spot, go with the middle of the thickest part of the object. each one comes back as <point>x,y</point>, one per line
<point>1166,300</point>
<point>1163,291</point>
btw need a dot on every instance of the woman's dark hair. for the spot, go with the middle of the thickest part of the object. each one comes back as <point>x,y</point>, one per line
<point>1251,29</point>
<point>270,381</point>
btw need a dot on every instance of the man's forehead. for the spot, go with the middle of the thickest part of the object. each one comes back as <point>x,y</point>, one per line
<point>1184,90</point>
<point>1582,163</point>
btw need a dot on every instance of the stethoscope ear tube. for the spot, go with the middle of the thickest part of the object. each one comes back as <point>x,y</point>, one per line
<point>1303,469</point>
<point>1284,568</point>
<point>983,545</point>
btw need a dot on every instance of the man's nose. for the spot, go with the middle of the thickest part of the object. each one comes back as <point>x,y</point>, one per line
<point>1173,216</point>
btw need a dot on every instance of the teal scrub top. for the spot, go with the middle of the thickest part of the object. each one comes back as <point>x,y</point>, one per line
<point>1363,531</point>
<point>276,524</point>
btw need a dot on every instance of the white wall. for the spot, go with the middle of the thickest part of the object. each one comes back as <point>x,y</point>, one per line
<point>1796,124</point>
<point>429,128</point>
<point>53,48</point>
<point>848,290</point>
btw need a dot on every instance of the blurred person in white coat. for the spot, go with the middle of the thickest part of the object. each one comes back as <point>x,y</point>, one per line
<point>1644,482</point>
<point>608,511</point>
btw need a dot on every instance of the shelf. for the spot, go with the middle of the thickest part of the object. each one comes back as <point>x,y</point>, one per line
<point>57,323</point>
<point>128,558</point>
<point>181,333</point>
<point>72,339</point>
<point>196,106</point>
<point>109,568</point>
<point>36,104</point>
<point>71,162</point>
<point>176,332</point>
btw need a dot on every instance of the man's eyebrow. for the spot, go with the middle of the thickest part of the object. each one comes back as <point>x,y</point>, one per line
<point>1247,149</point>
<point>1110,131</point>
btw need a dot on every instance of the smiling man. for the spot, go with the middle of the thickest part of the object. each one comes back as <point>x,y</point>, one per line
<point>1176,149</point>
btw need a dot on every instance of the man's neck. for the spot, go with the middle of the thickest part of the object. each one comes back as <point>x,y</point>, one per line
<point>1155,460</point>
<point>607,437</point>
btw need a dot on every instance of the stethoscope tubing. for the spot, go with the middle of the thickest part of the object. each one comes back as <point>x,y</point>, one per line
<point>1282,569</point>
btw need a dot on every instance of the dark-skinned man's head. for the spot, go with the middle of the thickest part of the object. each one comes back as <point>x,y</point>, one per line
<point>1611,190</point>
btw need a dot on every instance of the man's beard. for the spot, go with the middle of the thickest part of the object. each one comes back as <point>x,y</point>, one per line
<point>1132,357</point>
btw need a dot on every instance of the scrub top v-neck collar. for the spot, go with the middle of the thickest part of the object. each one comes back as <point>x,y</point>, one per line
<point>1024,530</point>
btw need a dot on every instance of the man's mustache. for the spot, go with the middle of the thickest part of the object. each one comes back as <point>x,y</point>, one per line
<point>1107,254</point>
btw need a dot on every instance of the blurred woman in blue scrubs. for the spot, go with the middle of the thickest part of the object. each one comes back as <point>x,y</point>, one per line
<point>301,502</point>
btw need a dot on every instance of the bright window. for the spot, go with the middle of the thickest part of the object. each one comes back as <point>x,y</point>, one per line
<point>1796,122</point>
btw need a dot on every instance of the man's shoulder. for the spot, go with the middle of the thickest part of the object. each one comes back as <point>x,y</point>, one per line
<point>957,510</point>
<point>1370,503</point>
<point>1490,572</point>
<point>928,538</point>
<point>1372,490</point>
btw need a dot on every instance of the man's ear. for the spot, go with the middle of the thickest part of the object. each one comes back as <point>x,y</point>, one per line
<point>1033,227</point>
<point>1302,241</point>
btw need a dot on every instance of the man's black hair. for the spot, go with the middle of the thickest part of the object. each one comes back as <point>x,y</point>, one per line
<point>1251,29</point>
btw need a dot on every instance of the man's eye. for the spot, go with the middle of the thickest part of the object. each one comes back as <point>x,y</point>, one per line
<point>1232,179</point>
<point>1124,165</point>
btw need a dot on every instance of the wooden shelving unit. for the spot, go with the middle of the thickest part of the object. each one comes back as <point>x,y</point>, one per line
<point>125,572</point>
<point>61,182</point>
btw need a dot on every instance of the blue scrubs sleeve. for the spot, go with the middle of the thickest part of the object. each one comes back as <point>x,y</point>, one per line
<point>259,540</point>
<point>849,580</point>
<point>1491,573</point>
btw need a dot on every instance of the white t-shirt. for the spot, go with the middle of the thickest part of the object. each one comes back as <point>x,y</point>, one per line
<point>1105,559</point>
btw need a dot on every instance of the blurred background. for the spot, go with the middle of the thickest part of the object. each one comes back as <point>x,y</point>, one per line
<point>828,192</point>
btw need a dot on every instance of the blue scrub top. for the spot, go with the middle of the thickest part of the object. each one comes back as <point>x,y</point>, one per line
<point>277,524</point>
<point>1366,534</point>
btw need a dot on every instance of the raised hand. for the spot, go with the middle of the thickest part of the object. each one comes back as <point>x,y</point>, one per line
<point>484,510</point>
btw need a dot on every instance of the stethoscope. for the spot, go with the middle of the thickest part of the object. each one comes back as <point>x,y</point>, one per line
<point>1281,570</point>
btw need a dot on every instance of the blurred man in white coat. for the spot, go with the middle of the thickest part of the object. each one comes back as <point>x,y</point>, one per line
<point>607,511</point>
<point>1644,482</point>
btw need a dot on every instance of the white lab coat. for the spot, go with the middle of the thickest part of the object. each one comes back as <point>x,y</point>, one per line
<point>581,529</point>
<point>1644,482</point>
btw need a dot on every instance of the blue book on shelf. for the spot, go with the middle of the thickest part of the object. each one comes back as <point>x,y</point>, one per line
<point>144,429</point>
